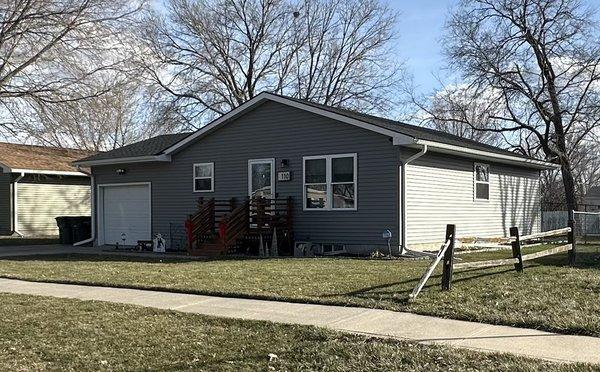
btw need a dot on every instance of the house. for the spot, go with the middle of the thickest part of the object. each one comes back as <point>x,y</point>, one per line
<point>591,200</point>
<point>38,184</point>
<point>349,177</point>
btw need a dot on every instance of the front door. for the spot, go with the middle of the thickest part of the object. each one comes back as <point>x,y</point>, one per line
<point>261,178</point>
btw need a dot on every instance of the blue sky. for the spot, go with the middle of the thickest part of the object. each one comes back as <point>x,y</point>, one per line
<point>420,28</point>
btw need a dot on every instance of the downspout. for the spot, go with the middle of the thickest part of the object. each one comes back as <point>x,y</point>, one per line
<point>403,196</point>
<point>16,205</point>
<point>92,213</point>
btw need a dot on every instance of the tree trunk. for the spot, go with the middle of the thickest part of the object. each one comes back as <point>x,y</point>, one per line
<point>569,184</point>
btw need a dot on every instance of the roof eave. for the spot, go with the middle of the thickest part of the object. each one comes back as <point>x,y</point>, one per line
<point>488,155</point>
<point>7,169</point>
<point>124,160</point>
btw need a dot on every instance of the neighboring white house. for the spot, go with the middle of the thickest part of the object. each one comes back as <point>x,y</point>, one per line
<point>38,184</point>
<point>592,198</point>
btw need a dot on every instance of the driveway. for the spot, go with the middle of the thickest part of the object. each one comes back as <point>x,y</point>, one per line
<point>29,250</point>
<point>43,250</point>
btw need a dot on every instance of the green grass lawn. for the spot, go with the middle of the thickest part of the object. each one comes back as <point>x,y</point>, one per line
<point>549,295</point>
<point>41,333</point>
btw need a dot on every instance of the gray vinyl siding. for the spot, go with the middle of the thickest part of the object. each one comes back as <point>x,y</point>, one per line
<point>5,203</point>
<point>276,131</point>
<point>440,190</point>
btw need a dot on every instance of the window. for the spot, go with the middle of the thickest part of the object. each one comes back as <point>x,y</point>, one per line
<point>482,181</point>
<point>330,182</point>
<point>331,249</point>
<point>204,177</point>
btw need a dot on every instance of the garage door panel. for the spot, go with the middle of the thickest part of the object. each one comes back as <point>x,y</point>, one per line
<point>126,213</point>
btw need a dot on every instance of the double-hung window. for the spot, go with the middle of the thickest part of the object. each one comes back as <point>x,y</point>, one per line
<point>482,181</point>
<point>204,177</point>
<point>330,182</point>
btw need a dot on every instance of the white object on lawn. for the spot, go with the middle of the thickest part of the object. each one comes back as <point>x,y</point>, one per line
<point>429,271</point>
<point>158,244</point>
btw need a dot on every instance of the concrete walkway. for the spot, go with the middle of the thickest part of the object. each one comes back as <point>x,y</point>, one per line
<point>61,249</point>
<point>379,323</point>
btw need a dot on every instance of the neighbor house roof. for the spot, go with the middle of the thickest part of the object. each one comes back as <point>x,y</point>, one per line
<point>39,159</point>
<point>159,149</point>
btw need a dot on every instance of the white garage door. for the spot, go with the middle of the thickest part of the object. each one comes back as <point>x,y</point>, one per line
<point>125,214</point>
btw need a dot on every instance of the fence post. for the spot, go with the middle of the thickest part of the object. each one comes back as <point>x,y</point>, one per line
<point>516,248</point>
<point>571,239</point>
<point>448,258</point>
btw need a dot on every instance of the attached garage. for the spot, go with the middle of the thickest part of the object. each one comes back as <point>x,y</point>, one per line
<point>124,213</point>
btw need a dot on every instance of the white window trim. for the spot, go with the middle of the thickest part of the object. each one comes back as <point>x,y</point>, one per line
<point>212,177</point>
<point>273,180</point>
<point>329,183</point>
<point>475,182</point>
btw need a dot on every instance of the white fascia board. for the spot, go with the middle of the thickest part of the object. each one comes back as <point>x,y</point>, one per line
<point>136,159</point>
<point>49,172</point>
<point>397,138</point>
<point>487,155</point>
<point>4,168</point>
<point>217,122</point>
<point>7,169</point>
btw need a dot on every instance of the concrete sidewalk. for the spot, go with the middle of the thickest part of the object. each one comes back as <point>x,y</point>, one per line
<point>380,323</point>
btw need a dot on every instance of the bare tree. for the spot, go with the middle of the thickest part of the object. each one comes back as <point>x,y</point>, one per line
<point>458,104</point>
<point>542,58</point>
<point>211,56</point>
<point>49,50</point>
<point>99,123</point>
<point>343,54</point>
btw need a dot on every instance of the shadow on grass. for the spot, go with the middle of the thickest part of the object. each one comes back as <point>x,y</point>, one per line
<point>584,260</point>
<point>128,257</point>
<point>401,297</point>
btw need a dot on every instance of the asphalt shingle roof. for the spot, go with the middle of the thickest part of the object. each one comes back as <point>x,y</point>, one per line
<point>152,146</point>
<point>412,130</point>
<point>156,145</point>
<point>41,158</point>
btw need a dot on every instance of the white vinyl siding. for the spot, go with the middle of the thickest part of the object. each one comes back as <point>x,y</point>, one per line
<point>39,204</point>
<point>440,190</point>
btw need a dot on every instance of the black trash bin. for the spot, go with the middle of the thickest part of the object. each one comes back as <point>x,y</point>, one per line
<point>65,231</point>
<point>74,229</point>
<point>82,228</point>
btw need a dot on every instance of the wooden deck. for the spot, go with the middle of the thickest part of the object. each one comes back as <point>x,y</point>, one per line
<point>222,226</point>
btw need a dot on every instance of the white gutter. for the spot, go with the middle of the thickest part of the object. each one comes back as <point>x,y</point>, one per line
<point>92,201</point>
<point>135,159</point>
<point>487,155</point>
<point>403,217</point>
<point>50,172</point>
<point>16,204</point>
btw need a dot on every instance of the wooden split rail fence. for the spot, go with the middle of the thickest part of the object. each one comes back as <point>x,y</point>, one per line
<point>517,241</point>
